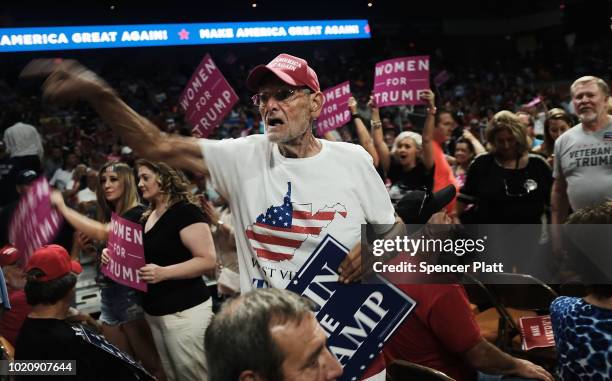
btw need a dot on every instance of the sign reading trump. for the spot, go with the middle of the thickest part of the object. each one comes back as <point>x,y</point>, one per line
<point>335,111</point>
<point>126,253</point>
<point>207,99</point>
<point>400,81</point>
<point>357,318</point>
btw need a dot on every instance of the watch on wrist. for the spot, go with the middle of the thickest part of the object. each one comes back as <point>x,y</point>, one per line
<point>376,124</point>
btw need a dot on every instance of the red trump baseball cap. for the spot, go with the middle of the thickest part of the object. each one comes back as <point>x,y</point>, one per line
<point>289,69</point>
<point>54,261</point>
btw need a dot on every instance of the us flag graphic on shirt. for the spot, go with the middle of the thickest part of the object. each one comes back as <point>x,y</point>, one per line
<point>279,232</point>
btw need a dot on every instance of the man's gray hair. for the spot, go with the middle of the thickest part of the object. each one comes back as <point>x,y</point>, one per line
<point>239,338</point>
<point>603,86</point>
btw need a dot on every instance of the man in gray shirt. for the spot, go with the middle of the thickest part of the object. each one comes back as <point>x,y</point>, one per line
<point>583,155</point>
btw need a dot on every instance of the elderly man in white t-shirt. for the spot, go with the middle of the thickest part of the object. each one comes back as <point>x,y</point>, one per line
<point>287,189</point>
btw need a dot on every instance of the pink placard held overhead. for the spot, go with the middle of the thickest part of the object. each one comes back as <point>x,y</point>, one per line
<point>207,98</point>
<point>401,80</point>
<point>126,253</point>
<point>34,222</point>
<point>534,102</point>
<point>335,109</point>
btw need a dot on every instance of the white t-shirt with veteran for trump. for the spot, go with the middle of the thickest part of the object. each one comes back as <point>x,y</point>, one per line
<point>283,208</point>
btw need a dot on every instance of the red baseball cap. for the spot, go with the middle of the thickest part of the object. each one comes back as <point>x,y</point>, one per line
<point>54,261</point>
<point>9,255</point>
<point>289,69</point>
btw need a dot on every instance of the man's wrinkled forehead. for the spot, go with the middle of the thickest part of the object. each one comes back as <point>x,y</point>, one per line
<point>272,82</point>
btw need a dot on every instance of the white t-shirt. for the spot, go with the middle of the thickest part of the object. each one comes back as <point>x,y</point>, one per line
<point>23,140</point>
<point>86,195</point>
<point>62,179</point>
<point>283,208</point>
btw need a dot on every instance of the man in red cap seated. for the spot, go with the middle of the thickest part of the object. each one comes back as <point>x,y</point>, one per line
<point>46,335</point>
<point>442,332</point>
<point>11,320</point>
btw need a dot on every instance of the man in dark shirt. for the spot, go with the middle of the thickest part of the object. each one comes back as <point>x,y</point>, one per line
<point>46,335</point>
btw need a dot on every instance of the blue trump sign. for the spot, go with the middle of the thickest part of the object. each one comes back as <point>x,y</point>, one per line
<point>125,36</point>
<point>357,318</point>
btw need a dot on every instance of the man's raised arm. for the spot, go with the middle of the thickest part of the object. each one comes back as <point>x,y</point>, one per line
<point>69,81</point>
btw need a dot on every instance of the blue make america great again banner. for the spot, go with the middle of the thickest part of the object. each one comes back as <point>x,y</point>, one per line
<point>125,36</point>
<point>357,318</point>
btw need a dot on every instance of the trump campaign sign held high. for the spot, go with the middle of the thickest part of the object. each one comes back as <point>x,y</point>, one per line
<point>335,109</point>
<point>400,81</point>
<point>34,222</point>
<point>207,99</point>
<point>126,253</point>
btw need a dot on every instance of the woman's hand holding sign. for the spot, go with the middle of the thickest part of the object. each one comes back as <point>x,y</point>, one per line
<point>152,273</point>
<point>105,257</point>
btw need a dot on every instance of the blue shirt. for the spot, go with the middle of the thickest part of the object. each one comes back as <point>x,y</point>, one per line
<point>536,143</point>
<point>583,336</point>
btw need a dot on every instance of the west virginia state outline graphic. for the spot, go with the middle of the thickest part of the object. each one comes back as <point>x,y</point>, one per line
<point>279,232</point>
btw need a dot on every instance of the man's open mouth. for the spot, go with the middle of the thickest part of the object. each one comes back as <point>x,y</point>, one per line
<point>273,122</point>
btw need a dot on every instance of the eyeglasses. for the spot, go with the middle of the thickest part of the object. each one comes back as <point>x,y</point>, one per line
<point>281,95</point>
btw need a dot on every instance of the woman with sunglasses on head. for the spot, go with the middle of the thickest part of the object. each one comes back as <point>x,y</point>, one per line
<point>122,315</point>
<point>410,163</point>
<point>507,185</point>
<point>179,249</point>
<point>557,122</point>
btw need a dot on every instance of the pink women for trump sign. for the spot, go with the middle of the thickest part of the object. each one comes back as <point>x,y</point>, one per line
<point>335,111</point>
<point>400,81</point>
<point>126,253</point>
<point>34,222</point>
<point>207,98</point>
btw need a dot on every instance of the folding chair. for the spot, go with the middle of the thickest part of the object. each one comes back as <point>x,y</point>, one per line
<point>498,324</point>
<point>528,296</point>
<point>523,292</point>
<point>400,370</point>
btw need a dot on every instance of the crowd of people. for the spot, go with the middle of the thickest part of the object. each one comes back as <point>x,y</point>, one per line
<point>226,208</point>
